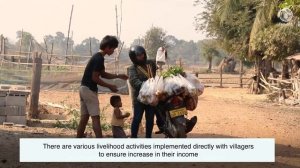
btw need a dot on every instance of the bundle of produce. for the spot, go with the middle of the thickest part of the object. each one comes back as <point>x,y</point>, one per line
<point>173,71</point>
<point>195,82</point>
<point>150,89</point>
<point>178,85</point>
<point>173,82</point>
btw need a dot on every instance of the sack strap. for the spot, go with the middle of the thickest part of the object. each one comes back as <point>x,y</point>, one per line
<point>147,73</point>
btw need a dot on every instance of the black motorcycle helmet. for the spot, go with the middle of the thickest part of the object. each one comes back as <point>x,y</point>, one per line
<point>134,52</point>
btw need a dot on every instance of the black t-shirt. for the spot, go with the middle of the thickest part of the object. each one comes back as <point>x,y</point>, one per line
<point>96,63</point>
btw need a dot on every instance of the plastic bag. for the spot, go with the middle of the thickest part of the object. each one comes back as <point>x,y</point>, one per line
<point>159,84</point>
<point>159,89</point>
<point>147,94</point>
<point>196,83</point>
<point>168,86</point>
<point>160,92</point>
<point>190,88</point>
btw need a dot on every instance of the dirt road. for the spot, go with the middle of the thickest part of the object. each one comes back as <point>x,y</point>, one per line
<point>222,113</point>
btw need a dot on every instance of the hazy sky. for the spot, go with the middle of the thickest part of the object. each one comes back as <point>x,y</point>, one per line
<point>96,18</point>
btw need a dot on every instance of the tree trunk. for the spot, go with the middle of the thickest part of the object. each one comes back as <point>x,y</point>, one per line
<point>266,68</point>
<point>258,70</point>
<point>209,65</point>
<point>263,67</point>
<point>285,70</point>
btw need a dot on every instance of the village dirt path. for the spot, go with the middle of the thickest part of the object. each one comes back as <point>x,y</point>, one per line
<point>227,112</point>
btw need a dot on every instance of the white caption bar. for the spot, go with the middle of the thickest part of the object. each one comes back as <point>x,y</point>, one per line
<point>147,150</point>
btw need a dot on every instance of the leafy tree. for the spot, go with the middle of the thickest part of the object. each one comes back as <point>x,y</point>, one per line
<point>229,22</point>
<point>187,50</point>
<point>138,41</point>
<point>60,42</point>
<point>209,51</point>
<point>154,39</point>
<point>278,41</point>
<point>49,44</point>
<point>237,23</point>
<point>26,40</point>
<point>294,5</point>
<point>266,11</point>
<point>84,47</point>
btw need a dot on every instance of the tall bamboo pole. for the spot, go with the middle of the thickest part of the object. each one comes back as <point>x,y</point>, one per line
<point>29,51</point>
<point>117,27</point>
<point>20,49</point>
<point>69,33</point>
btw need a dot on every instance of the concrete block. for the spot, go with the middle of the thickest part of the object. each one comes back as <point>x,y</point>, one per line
<point>20,126</point>
<point>15,111</point>
<point>9,124</point>
<point>13,100</point>
<point>13,87</point>
<point>5,87</point>
<point>2,119</point>
<point>18,87</point>
<point>3,93</point>
<point>16,119</point>
<point>2,101</point>
<point>2,111</point>
<point>19,92</point>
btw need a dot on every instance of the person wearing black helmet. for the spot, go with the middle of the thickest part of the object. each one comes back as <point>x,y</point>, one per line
<point>141,70</point>
<point>88,92</point>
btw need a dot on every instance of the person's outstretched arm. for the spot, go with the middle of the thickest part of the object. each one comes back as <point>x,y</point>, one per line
<point>107,75</point>
<point>96,79</point>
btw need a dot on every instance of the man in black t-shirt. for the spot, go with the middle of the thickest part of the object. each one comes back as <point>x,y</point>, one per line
<point>89,103</point>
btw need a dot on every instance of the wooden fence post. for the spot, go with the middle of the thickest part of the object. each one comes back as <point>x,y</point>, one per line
<point>1,49</point>
<point>241,73</point>
<point>29,52</point>
<point>221,76</point>
<point>4,47</point>
<point>1,44</point>
<point>180,62</point>
<point>20,50</point>
<point>258,66</point>
<point>35,86</point>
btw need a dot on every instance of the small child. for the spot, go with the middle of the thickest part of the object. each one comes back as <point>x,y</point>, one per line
<point>117,120</point>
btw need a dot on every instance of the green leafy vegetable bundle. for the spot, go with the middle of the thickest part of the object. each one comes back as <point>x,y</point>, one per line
<point>173,71</point>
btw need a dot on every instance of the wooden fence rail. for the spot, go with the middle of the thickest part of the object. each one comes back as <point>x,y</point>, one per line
<point>225,81</point>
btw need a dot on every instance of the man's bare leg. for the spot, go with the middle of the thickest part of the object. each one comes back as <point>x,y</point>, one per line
<point>97,126</point>
<point>82,124</point>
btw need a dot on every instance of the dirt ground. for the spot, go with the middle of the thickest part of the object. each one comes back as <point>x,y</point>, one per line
<point>226,112</point>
